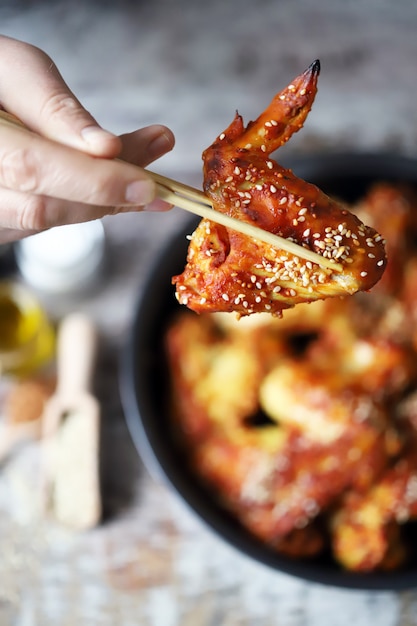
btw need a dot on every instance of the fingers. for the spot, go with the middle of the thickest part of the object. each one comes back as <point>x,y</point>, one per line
<point>43,184</point>
<point>147,144</point>
<point>54,111</point>
<point>31,164</point>
<point>51,176</point>
<point>10,235</point>
<point>28,213</point>
<point>24,214</point>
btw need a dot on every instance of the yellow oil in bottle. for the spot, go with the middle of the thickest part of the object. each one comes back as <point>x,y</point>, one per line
<point>27,340</point>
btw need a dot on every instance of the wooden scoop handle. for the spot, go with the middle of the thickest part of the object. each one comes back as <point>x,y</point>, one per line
<point>77,344</point>
<point>71,424</point>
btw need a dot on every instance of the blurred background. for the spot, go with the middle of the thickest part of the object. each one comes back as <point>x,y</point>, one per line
<point>190,65</point>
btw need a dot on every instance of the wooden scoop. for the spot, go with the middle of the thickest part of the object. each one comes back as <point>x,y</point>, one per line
<point>71,427</point>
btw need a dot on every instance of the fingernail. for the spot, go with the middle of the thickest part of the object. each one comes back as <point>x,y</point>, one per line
<point>158,206</point>
<point>95,134</point>
<point>159,146</point>
<point>140,192</point>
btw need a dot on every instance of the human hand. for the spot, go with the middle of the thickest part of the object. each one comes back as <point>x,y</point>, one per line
<point>65,171</point>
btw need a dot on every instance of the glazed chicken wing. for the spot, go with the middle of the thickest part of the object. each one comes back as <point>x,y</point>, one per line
<point>366,528</point>
<point>228,271</point>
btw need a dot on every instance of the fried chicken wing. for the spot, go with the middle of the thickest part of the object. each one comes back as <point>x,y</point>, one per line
<point>228,271</point>
<point>276,480</point>
<point>215,385</point>
<point>366,529</point>
<point>392,211</point>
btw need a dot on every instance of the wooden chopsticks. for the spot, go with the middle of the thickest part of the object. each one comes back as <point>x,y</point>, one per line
<point>195,201</point>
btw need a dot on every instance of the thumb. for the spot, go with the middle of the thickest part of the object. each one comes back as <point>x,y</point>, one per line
<point>65,120</point>
<point>53,110</point>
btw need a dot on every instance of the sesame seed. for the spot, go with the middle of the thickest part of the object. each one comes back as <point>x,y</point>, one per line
<point>222,136</point>
<point>364,274</point>
<point>273,189</point>
<point>380,263</point>
<point>225,297</point>
<point>237,170</point>
<point>306,232</point>
<point>269,165</point>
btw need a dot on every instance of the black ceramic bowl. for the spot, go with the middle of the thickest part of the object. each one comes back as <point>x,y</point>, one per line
<point>144,376</point>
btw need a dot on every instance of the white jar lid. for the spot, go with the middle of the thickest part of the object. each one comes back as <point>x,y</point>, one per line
<point>64,258</point>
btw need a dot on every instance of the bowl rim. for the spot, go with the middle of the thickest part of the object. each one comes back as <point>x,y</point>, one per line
<point>138,410</point>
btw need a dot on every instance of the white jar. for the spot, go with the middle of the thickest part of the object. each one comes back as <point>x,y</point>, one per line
<point>62,259</point>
